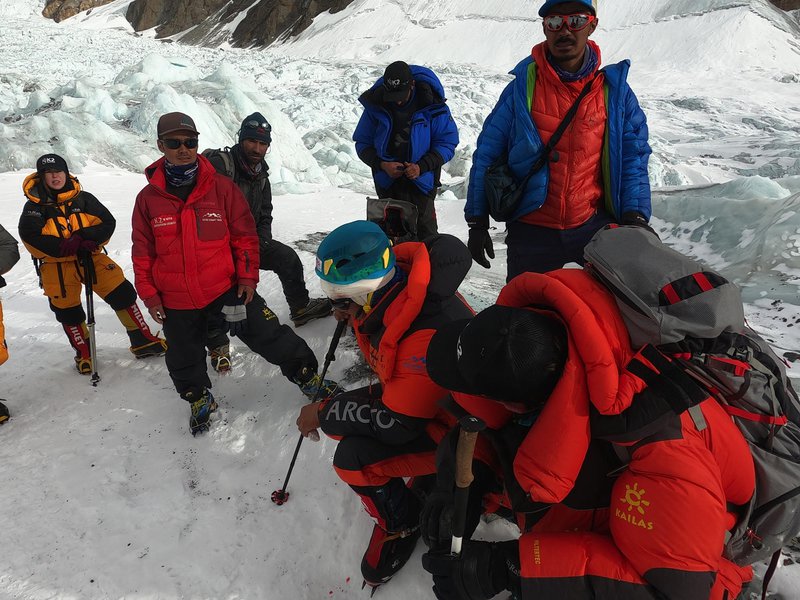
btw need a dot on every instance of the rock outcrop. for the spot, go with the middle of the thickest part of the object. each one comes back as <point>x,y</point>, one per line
<point>58,10</point>
<point>787,4</point>
<point>206,21</point>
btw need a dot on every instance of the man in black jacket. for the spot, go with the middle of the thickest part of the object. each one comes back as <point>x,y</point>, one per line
<point>245,164</point>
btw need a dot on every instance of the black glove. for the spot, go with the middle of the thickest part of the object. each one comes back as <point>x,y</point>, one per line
<point>636,219</point>
<point>436,520</point>
<point>480,572</point>
<point>480,242</point>
<point>235,313</point>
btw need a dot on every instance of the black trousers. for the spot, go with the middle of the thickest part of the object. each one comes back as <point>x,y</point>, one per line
<point>186,331</point>
<point>404,189</point>
<point>535,249</point>
<point>284,262</point>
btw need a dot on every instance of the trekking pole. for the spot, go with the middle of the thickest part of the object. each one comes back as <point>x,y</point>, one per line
<point>470,426</point>
<point>88,279</point>
<point>280,496</point>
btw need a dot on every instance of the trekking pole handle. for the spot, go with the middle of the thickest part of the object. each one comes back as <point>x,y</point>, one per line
<point>465,450</point>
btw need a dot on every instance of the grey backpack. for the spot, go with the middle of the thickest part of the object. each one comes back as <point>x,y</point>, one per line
<point>695,316</point>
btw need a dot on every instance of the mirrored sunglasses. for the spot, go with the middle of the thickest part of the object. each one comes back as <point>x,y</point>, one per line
<point>174,144</point>
<point>573,22</point>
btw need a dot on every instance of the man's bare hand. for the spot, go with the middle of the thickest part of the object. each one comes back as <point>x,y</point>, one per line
<point>393,169</point>
<point>157,312</point>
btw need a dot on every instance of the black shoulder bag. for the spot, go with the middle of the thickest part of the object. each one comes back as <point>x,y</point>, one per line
<point>503,192</point>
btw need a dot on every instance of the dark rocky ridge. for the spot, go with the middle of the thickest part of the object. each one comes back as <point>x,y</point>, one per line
<point>205,22</point>
<point>58,10</point>
<point>265,22</point>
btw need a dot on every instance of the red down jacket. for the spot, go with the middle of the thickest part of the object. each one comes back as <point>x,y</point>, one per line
<point>187,254</point>
<point>669,508</point>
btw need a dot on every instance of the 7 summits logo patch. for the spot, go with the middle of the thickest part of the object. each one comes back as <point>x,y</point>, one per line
<point>636,507</point>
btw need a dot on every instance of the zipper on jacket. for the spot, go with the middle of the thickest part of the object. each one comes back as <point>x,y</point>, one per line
<point>246,261</point>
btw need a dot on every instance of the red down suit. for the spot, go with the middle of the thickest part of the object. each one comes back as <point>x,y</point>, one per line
<point>664,533</point>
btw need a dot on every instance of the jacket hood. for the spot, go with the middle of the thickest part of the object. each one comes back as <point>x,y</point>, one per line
<point>435,269</point>
<point>34,188</point>
<point>550,458</point>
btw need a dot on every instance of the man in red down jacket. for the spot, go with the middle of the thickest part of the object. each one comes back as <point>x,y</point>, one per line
<point>390,430</point>
<point>195,255</point>
<point>662,532</point>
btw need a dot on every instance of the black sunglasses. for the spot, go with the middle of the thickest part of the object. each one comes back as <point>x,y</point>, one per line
<point>341,303</point>
<point>174,144</point>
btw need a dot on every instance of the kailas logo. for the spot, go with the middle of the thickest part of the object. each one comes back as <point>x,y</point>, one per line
<point>214,215</point>
<point>636,507</point>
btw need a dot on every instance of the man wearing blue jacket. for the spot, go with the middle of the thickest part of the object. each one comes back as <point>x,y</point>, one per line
<point>597,171</point>
<point>405,135</point>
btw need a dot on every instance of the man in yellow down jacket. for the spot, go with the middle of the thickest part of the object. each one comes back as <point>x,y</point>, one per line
<point>62,226</point>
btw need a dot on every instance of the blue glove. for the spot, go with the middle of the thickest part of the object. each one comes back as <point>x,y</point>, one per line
<point>235,313</point>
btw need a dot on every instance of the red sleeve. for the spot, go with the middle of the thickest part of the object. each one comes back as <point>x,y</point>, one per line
<point>410,391</point>
<point>567,564</point>
<point>244,239</point>
<point>143,252</point>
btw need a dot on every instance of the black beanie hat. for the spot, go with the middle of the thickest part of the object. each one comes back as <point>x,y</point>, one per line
<point>504,353</point>
<point>256,127</point>
<point>51,162</point>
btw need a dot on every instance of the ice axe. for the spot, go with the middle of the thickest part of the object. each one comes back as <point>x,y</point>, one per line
<point>280,496</point>
<point>89,280</point>
<point>465,449</point>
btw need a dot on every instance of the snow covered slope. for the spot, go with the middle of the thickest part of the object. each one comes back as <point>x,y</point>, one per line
<point>105,494</point>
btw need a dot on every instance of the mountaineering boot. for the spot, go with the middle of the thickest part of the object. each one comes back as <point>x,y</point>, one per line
<point>79,339</point>
<point>143,342</point>
<point>221,358</point>
<point>394,536</point>
<point>315,309</point>
<point>314,387</point>
<point>4,414</point>
<point>202,405</point>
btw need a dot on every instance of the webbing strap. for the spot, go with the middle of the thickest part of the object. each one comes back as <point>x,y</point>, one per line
<point>759,418</point>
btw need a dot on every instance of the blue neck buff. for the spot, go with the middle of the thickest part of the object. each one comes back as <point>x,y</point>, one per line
<point>587,68</point>
<point>180,175</point>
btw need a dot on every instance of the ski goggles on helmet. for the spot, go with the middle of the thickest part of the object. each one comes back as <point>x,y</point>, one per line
<point>174,144</point>
<point>573,22</point>
<point>253,124</point>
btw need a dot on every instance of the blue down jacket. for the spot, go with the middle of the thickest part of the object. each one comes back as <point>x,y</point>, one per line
<point>433,131</point>
<point>510,128</point>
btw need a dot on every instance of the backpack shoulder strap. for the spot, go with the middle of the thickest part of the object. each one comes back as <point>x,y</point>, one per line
<point>221,158</point>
